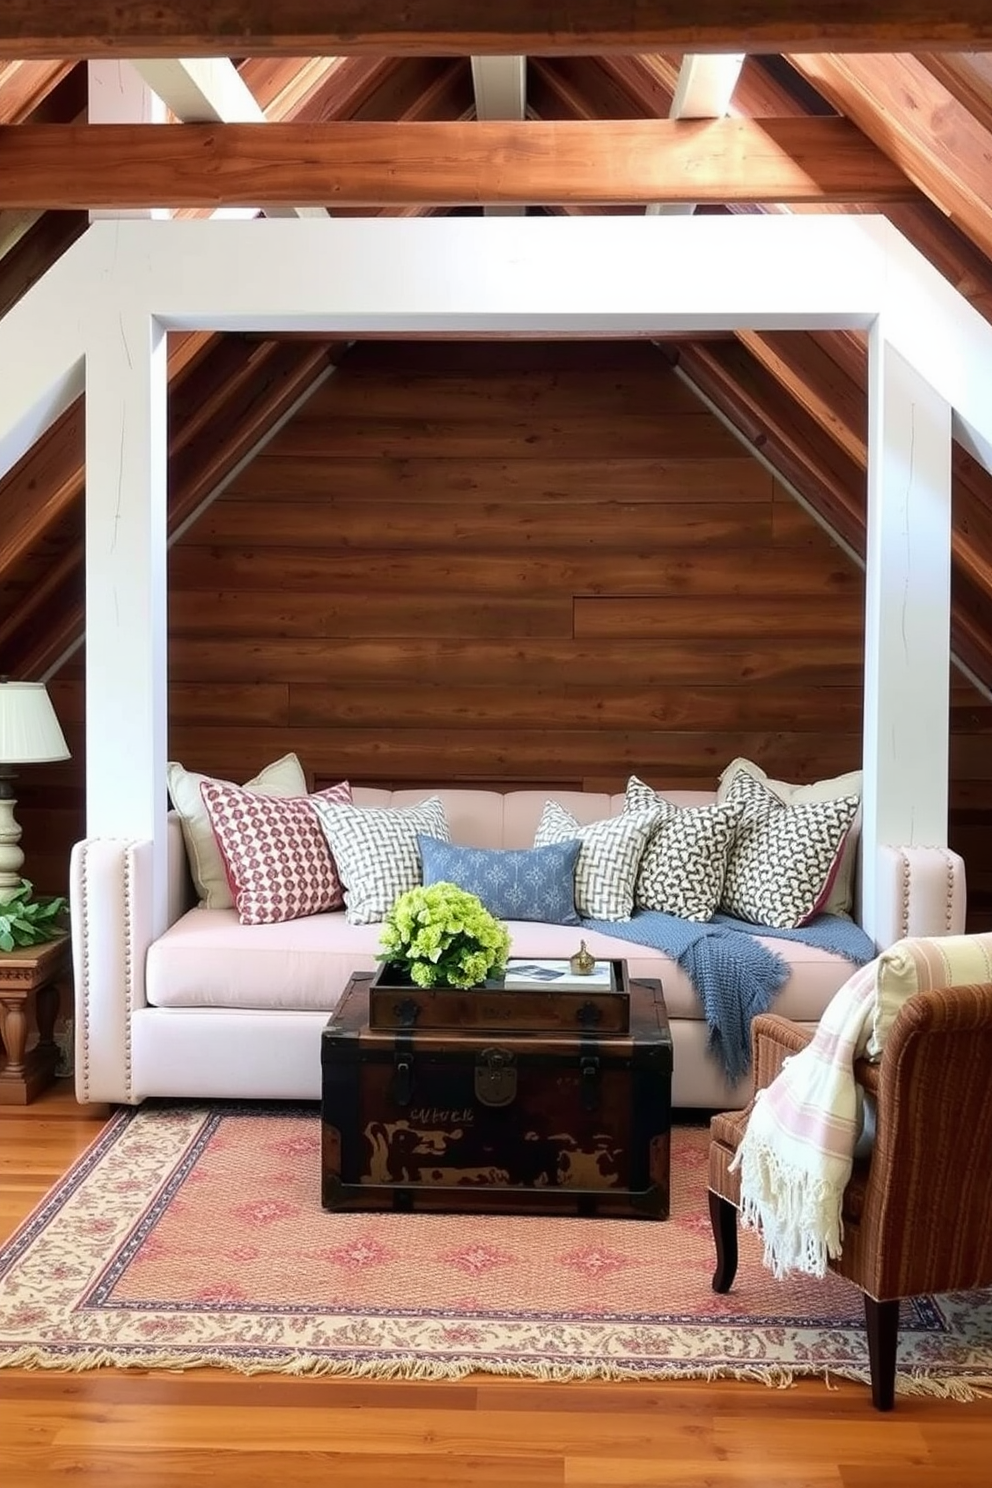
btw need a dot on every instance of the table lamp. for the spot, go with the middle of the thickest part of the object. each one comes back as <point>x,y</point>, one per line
<point>29,735</point>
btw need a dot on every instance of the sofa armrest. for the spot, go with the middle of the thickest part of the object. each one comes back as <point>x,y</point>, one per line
<point>921,891</point>
<point>111,932</point>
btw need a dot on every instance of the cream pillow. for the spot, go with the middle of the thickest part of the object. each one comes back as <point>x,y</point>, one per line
<point>840,900</point>
<point>284,777</point>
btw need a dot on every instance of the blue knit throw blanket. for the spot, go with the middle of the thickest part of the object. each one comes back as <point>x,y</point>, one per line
<point>734,975</point>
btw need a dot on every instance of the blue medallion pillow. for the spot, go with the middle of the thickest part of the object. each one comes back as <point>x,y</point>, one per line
<point>534,883</point>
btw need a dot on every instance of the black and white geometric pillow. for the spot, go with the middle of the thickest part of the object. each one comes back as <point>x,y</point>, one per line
<point>685,862</point>
<point>606,868</point>
<point>784,857</point>
<point>376,851</point>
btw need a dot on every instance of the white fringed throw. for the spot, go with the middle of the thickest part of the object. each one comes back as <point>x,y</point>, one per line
<point>796,1156</point>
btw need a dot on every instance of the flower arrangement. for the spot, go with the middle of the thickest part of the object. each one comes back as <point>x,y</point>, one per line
<point>443,936</point>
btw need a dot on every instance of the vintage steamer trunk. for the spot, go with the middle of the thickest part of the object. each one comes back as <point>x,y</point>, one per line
<point>561,1122</point>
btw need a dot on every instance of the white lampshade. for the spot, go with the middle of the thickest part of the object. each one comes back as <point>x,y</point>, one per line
<point>29,730</point>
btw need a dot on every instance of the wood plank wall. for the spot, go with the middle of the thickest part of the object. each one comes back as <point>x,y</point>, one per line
<point>514,564</point>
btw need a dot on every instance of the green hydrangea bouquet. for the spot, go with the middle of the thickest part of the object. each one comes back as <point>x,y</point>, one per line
<point>443,936</point>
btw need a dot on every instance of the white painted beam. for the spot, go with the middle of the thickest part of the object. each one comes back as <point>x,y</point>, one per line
<point>500,85</point>
<point>126,644</point>
<point>907,613</point>
<point>43,339</point>
<point>706,85</point>
<point>201,90</point>
<point>207,90</point>
<point>704,89</point>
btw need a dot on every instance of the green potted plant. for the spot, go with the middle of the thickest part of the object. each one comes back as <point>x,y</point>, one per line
<point>442,936</point>
<point>27,921</point>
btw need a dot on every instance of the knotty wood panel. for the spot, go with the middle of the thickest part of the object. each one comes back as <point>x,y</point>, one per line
<point>319,479</point>
<point>505,561</point>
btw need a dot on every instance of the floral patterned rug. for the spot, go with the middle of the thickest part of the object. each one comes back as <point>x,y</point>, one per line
<point>191,1235</point>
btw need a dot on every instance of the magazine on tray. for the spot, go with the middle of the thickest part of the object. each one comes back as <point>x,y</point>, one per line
<point>521,972</point>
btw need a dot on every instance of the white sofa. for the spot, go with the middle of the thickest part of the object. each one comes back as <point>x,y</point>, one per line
<point>213,1008</point>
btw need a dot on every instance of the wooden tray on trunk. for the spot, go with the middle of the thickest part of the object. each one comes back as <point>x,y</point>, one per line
<point>397,1005</point>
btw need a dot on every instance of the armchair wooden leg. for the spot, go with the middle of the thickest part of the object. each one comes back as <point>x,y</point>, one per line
<point>723,1217</point>
<point>882,1322</point>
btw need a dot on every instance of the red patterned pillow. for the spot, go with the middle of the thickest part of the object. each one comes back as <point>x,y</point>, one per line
<point>276,856</point>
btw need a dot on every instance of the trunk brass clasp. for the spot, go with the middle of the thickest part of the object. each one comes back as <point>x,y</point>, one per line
<point>495,1077</point>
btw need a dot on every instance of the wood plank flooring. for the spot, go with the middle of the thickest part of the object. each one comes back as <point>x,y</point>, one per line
<point>142,1429</point>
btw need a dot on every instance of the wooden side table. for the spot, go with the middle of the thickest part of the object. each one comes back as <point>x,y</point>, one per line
<point>29,983</point>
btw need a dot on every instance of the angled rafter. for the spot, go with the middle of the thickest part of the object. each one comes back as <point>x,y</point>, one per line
<point>67,28</point>
<point>923,127</point>
<point>791,160</point>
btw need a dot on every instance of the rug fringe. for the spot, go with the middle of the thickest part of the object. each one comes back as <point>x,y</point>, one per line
<point>773,1376</point>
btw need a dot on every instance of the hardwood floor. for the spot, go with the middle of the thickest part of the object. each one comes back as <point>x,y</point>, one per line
<point>158,1430</point>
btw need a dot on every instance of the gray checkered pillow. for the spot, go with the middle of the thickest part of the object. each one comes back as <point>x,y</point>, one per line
<point>685,862</point>
<point>606,868</point>
<point>785,858</point>
<point>375,849</point>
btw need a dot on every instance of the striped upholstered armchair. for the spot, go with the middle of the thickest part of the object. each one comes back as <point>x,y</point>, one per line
<point>917,1211</point>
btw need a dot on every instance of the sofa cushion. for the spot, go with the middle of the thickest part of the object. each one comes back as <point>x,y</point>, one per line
<point>536,883</point>
<point>284,777</point>
<point>784,857</point>
<point>375,848</point>
<point>207,959</point>
<point>685,862</point>
<point>841,897</point>
<point>277,859</point>
<point>609,857</point>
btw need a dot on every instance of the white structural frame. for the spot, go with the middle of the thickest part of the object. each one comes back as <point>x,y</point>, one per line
<point>99,319</point>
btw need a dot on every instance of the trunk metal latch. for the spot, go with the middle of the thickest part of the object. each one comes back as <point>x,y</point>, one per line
<point>495,1077</point>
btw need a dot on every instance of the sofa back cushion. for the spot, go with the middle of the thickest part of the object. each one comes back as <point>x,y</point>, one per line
<point>485,818</point>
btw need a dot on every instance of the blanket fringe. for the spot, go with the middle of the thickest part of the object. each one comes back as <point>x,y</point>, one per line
<point>965,1389</point>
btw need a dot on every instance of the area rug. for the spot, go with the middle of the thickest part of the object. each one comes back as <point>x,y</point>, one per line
<point>193,1235</point>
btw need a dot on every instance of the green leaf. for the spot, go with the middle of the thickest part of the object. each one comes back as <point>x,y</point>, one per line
<point>6,941</point>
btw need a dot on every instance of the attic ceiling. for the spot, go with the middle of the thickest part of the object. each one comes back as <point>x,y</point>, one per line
<point>756,124</point>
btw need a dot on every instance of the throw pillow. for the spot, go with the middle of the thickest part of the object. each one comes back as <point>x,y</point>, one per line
<point>784,857</point>
<point>841,898</point>
<point>609,857</point>
<point>375,848</point>
<point>282,778</point>
<point>277,859</point>
<point>685,862</point>
<point>536,883</point>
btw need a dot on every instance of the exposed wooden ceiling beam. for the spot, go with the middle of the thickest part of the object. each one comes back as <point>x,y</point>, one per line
<point>934,138</point>
<point>441,164</point>
<point>90,28</point>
